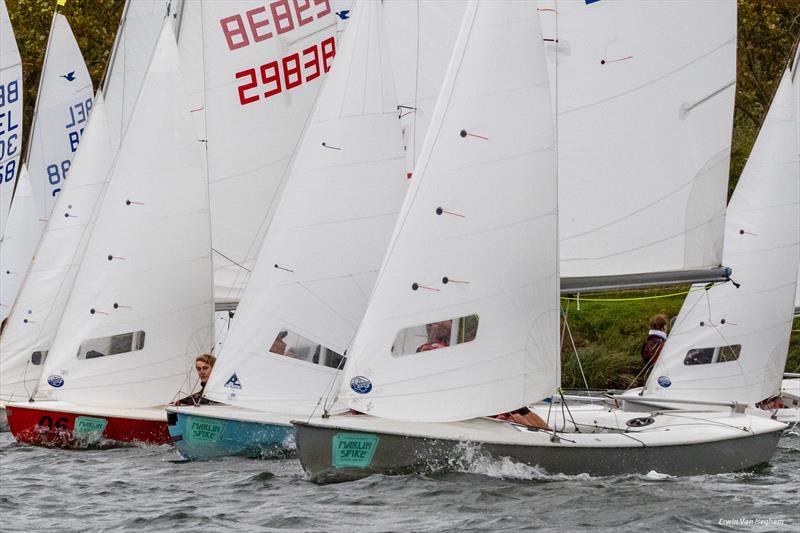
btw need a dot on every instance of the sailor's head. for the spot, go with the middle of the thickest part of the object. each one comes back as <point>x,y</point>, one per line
<point>203,364</point>
<point>439,331</point>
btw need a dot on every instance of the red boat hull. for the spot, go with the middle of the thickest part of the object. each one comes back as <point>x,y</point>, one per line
<point>63,429</point>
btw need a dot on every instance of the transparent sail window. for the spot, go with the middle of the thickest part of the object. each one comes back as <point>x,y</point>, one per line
<point>435,335</point>
<point>113,345</point>
<point>38,357</point>
<point>298,347</point>
<point>707,356</point>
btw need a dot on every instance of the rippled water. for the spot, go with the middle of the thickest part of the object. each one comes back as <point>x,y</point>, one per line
<point>148,488</point>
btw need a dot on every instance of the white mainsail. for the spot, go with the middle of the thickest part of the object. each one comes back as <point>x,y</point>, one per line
<point>18,245</point>
<point>643,94</point>
<point>41,301</point>
<point>136,39</point>
<point>730,342</point>
<point>10,114</point>
<point>263,66</point>
<point>322,252</point>
<point>477,237</point>
<point>141,307</point>
<point>63,106</point>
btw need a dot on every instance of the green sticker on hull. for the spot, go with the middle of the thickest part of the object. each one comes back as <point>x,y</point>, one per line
<point>86,426</point>
<point>201,430</point>
<point>353,450</point>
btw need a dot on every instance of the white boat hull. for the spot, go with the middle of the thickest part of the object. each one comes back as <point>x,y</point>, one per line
<point>348,447</point>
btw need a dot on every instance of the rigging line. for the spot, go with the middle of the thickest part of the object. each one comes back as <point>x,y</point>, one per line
<point>564,404</point>
<point>231,260</point>
<point>633,298</point>
<point>575,350</point>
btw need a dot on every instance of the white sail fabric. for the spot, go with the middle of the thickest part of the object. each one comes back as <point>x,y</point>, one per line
<point>643,96</point>
<point>43,295</point>
<point>322,252</point>
<point>796,88</point>
<point>730,343</point>
<point>10,114</point>
<point>41,301</point>
<point>263,65</point>
<point>420,36</point>
<point>18,245</point>
<point>481,212</point>
<point>63,106</point>
<point>141,307</point>
<point>135,41</point>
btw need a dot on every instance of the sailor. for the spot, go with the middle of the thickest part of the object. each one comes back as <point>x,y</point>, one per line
<point>438,335</point>
<point>656,338</point>
<point>203,364</point>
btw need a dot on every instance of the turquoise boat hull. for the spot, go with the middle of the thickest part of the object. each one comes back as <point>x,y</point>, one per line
<point>204,437</point>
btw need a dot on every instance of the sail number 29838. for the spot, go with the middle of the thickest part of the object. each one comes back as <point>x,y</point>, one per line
<point>286,73</point>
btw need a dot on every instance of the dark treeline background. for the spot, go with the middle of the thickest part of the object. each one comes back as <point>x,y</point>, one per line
<point>607,335</point>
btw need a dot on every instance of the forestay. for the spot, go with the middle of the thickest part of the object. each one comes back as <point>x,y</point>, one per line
<point>10,114</point>
<point>420,36</point>
<point>730,342</point>
<point>141,307</point>
<point>476,239</point>
<point>18,245</point>
<point>63,105</point>
<point>331,228</point>
<point>643,96</point>
<point>263,65</point>
<point>41,301</point>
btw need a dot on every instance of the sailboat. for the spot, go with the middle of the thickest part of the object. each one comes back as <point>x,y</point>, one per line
<point>304,299</point>
<point>10,115</point>
<point>45,287</point>
<point>63,106</point>
<point>490,157</point>
<point>141,306</point>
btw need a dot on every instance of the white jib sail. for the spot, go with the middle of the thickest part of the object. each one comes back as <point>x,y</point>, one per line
<point>63,106</point>
<point>141,308</point>
<point>322,252</point>
<point>263,65</point>
<point>730,343</point>
<point>43,295</point>
<point>476,241</point>
<point>10,114</point>
<point>42,298</point>
<point>643,94</point>
<point>17,246</point>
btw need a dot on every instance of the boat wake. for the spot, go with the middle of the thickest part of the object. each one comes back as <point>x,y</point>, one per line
<point>471,458</point>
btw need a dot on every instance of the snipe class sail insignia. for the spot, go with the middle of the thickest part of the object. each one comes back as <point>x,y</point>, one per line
<point>361,384</point>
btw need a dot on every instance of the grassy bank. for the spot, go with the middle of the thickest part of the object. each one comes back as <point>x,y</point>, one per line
<point>608,335</point>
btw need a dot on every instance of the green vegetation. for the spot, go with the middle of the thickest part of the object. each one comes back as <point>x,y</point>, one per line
<point>607,334</point>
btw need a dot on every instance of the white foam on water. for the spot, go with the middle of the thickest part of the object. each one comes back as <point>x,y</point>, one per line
<point>656,476</point>
<point>471,458</point>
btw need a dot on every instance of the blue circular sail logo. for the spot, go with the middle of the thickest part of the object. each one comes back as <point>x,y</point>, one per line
<point>361,385</point>
<point>664,381</point>
<point>55,381</point>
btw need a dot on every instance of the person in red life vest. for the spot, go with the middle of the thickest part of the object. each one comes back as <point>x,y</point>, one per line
<point>438,336</point>
<point>656,338</point>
